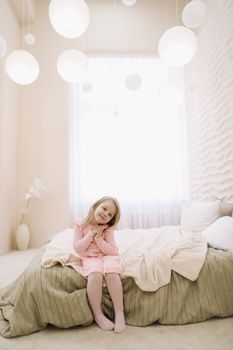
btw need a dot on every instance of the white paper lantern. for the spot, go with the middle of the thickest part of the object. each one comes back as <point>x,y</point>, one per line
<point>29,39</point>
<point>69,18</point>
<point>194,14</point>
<point>3,47</point>
<point>22,67</point>
<point>116,113</point>
<point>87,86</point>
<point>171,94</point>
<point>177,46</point>
<point>133,81</point>
<point>72,66</point>
<point>129,2</point>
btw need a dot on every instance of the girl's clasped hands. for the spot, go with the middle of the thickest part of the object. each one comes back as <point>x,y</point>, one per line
<point>98,231</point>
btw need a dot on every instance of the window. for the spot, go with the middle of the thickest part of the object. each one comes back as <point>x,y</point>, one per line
<point>127,143</point>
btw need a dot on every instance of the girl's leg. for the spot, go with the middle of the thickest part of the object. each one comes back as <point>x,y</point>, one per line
<point>114,285</point>
<point>94,293</point>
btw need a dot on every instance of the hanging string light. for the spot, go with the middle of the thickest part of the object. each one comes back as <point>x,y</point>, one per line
<point>72,66</point>
<point>69,18</point>
<point>133,81</point>
<point>194,13</point>
<point>178,45</point>
<point>129,2</point>
<point>21,66</point>
<point>29,37</point>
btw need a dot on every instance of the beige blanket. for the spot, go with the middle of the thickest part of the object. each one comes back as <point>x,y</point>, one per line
<point>57,296</point>
<point>149,254</point>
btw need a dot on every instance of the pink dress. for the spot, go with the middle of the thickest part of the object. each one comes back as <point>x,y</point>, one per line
<point>99,254</point>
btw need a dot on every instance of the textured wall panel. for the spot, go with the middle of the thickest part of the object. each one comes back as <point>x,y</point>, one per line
<point>209,81</point>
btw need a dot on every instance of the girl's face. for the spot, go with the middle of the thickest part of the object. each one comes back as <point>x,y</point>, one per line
<point>104,212</point>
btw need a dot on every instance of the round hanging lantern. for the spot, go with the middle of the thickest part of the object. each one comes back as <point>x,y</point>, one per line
<point>87,86</point>
<point>129,2</point>
<point>116,113</point>
<point>133,81</point>
<point>22,67</point>
<point>29,39</point>
<point>177,46</point>
<point>72,66</point>
<point>194,14</point>
<point>69,18</point>
<point>3,47</point>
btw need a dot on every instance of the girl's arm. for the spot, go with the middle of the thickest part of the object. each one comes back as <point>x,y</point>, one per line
<point>107,245</point>
<point>80,242</point>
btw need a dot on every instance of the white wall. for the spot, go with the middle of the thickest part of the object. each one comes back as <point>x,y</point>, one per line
<point>9,105</point>
<point>210,107</point>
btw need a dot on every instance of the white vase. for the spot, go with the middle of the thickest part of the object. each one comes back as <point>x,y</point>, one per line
<point>22,237</point>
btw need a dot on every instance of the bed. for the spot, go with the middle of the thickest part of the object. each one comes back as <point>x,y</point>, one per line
<point>56,295</point>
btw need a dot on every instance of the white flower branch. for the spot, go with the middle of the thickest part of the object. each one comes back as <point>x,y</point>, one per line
<point>34,191</point>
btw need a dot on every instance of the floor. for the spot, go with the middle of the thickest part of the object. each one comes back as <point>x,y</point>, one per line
<point>215,334</point>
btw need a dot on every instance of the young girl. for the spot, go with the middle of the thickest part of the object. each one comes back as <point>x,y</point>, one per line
<point>94,242</point>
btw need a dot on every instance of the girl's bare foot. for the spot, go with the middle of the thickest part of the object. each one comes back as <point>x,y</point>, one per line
<point>119,322</point>
<point>104,323</point>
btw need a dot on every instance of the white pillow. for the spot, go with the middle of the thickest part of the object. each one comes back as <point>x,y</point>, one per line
<point>220,233</point>
<point>198,215</point>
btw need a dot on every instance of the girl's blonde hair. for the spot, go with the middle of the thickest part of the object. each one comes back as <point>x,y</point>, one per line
<point>116,217</point>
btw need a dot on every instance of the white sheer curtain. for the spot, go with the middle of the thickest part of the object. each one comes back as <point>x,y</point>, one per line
<point>128,143</point>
